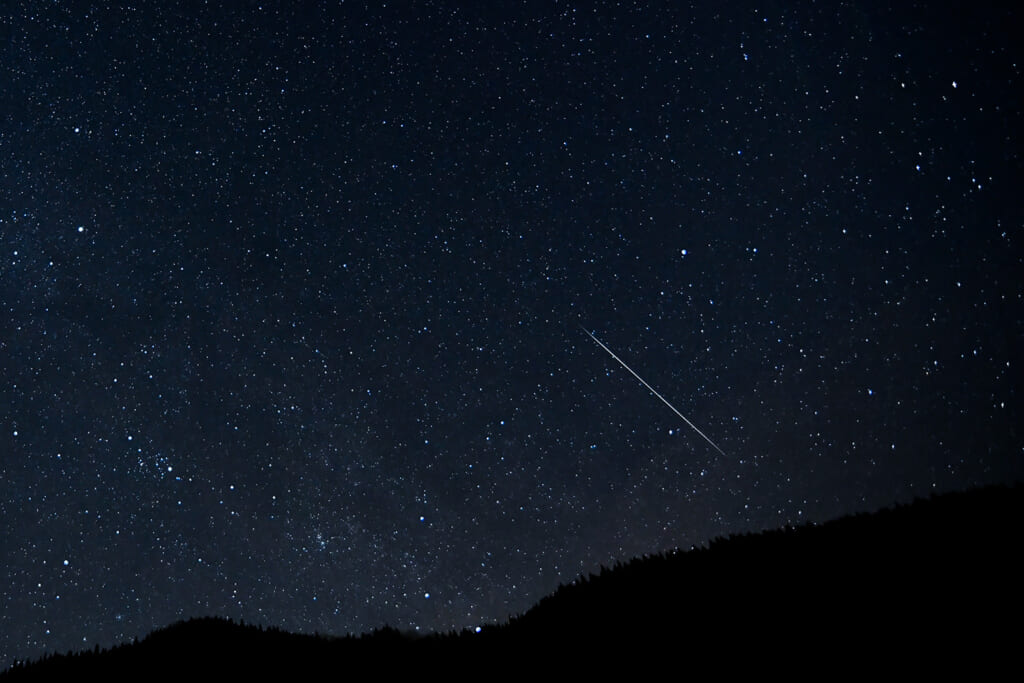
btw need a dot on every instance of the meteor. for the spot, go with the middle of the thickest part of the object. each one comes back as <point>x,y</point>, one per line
<point>672,407</point>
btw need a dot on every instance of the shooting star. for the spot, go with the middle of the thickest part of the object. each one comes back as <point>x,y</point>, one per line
<point>672,407</point>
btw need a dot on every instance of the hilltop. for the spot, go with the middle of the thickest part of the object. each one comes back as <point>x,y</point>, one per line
<point>919,585</point>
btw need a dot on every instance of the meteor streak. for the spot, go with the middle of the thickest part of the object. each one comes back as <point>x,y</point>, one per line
<point>623,364</point>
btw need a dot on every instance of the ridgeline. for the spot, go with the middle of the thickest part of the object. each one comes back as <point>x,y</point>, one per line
<point>919,587</point>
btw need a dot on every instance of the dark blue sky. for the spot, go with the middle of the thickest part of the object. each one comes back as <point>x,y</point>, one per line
<point>291,295</point>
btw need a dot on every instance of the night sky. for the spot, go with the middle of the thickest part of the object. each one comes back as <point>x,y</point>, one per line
<point>294,298</point>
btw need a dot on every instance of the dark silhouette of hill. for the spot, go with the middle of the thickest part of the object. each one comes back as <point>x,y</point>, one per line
<point>919,587</point>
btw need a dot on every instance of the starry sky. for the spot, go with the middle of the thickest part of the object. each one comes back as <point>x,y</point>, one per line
<point>294,297</point>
